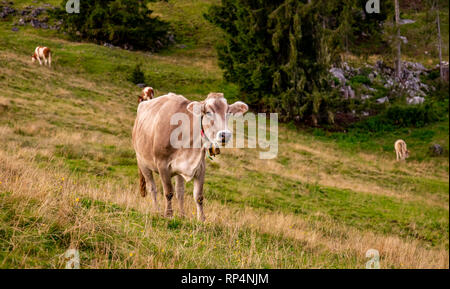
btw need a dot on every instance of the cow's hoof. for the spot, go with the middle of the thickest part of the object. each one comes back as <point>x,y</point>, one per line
<point>168,214</point>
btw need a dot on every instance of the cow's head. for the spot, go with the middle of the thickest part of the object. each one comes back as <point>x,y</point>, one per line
<point>33,57</point>
<point>214,112</point>
<point>406,154</point>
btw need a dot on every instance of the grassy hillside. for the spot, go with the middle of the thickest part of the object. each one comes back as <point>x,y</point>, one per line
<point>68,177</point>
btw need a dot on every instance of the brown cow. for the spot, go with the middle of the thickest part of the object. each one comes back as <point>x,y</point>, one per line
<point>155,152</point>
<point>147,94</point>
<point>43,53</point>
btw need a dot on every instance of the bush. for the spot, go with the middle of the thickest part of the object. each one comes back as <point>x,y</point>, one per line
<point>403,116</point>
<point>362,79</point>
<point>137,75</point>
<point>125,23</point>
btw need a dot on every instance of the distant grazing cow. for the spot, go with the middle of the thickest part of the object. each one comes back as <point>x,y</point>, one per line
<point>43,53</point>
<point>400,150</point>
<point>147,94</point>
<point>155,152</point>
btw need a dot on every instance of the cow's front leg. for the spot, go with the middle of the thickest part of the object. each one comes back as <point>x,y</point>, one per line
<point>198,195</point>
<point>179,181</point>
<point>40,61</point>
<point>168,190</point>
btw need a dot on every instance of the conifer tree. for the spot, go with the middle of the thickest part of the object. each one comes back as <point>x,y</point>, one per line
<point>279,52</point>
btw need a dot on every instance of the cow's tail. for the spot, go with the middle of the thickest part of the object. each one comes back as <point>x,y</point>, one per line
<point>142,184</point>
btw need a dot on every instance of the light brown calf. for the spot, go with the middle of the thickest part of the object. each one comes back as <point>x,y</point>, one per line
<point>400,150</point>
<point>157,121</point>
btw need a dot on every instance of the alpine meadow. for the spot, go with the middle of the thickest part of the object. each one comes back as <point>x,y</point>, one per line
<point>68,171</point>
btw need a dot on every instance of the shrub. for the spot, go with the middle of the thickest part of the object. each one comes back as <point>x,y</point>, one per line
<point>137,75</point>
<point>361,79</point>
<point>433,74</point>
<point>403,116</point>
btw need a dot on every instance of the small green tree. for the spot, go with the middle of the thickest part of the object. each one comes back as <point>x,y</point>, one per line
<point>137,75</point>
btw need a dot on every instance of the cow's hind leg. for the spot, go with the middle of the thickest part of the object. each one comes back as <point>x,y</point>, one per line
<point>142,184</point>
<point>179,181</point>
<point>166,180</point>
<point>147,183</point>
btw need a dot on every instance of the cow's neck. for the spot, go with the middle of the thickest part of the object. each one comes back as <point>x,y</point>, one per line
<point>210,147</point>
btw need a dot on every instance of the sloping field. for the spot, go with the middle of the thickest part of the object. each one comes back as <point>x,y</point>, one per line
<point>68,176</point>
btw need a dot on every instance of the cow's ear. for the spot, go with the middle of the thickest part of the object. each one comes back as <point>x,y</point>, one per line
<point>238,108</point>
<point>195,107</point>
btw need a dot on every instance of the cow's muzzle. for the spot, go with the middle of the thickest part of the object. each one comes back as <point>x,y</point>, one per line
<point>223,137</point>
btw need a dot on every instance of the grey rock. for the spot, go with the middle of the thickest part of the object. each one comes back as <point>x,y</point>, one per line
<point>35,23</point>
<point>109,45</point>
<point>415,100</point>
<point>159,44</point>
<point>368,88</point>
<point>436,150</point>
<point>347,92</point>
<point>36,12</point>
<point>171,38</point>
<point>141,85</point>
<point>128,47</point>
<point>406,21</point>
<point>389,83</point>
<point>351,92</point>
<point>339,74</point>
<point>383,99</point>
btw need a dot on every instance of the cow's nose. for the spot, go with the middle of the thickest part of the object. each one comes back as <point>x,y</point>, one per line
<point>223,136</point>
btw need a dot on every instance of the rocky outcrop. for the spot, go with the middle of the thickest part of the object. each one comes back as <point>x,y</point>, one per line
<point>34,16</point>
<point>409,83</point>
<point>6,10</point>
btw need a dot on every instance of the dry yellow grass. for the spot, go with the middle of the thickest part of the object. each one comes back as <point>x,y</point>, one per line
<point>54,191</point>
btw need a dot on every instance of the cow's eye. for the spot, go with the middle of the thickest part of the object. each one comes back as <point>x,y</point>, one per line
<point>209,114</point>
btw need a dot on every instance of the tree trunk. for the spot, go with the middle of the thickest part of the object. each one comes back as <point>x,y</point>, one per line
<point>441,69</point>
<point>398,61</point>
